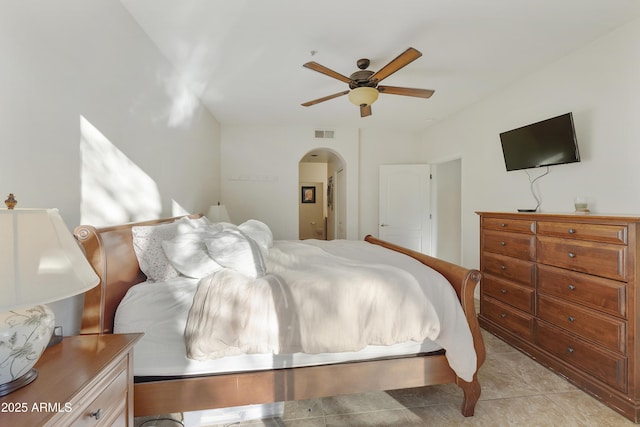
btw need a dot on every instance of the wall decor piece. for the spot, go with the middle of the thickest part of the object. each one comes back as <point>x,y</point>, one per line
<point>308,194</point>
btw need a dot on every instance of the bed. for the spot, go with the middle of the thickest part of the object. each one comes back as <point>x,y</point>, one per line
<point>275,378</point>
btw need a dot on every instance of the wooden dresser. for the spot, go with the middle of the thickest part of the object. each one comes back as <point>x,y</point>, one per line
<point>83,381</point>
<point>563,289</point>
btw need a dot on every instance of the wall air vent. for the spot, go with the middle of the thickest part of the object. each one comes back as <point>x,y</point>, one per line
<point>324,134</point>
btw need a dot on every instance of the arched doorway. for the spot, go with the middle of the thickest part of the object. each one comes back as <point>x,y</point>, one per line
<point>321,198</point>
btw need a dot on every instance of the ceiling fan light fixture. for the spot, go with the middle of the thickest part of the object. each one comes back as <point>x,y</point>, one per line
<point>363,96</point>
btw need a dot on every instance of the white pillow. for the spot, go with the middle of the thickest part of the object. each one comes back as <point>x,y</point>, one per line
<point>235,250</point>
<point>188,254</point>
<point>203,221</point>
<point>147,245</point>
<point>260,232</point>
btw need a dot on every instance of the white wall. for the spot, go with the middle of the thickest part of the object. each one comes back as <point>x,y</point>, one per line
<point>600,84</point>
<point>381,148</point>
<point>69,59</point>
<point>259,174</point>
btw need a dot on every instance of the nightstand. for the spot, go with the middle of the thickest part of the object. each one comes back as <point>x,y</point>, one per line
<point>85,380</point>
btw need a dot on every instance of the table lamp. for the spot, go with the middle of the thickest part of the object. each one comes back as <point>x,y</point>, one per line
<point>218,213</point>
<point>40,262</point>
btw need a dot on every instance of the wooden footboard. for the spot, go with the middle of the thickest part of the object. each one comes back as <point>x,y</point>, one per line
<point>110,252</point>
<point>463,280</point>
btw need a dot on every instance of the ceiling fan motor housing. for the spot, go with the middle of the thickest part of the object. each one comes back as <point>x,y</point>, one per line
<point>361,79</point>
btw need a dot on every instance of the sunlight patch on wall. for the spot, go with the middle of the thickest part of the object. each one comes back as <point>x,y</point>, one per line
<point>177,209</point>
<point>113,188</point>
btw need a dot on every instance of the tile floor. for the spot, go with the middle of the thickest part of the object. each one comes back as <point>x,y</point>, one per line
<point>516,391</point>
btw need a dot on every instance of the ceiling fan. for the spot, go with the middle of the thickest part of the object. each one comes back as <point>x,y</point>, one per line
<point>364,83</point>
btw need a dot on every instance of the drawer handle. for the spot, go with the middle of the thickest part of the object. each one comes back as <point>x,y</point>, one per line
<point>96,414</point>
<point>571,231</point>
<point>503,267</point>
<point>571,287</point>
<point>503,315</point>
<point>503,225</point>
<point>569,349</point>
<point>572,255</point>
<point>502,243</point>
<point>503,291</point>
<point>571,319</point>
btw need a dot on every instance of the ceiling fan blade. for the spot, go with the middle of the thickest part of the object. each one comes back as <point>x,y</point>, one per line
<point>326,71</point>
<point>406,91</point>
<point>405,58</point>
<point>326,98</point>
<point>365,110</point>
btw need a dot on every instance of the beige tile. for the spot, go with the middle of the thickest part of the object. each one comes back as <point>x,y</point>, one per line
<point>308,422</point>
<point>586,410</point>
<point>392,418</point>
<point>427,396</point>
<point>442,416</point>
<point>494,344</point>
<point>354,403</point>
<point>512,374</point>
<point>299,409</point>
<point>528,411</point>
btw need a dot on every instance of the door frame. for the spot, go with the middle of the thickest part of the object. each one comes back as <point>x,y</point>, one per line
<point>446,203</point>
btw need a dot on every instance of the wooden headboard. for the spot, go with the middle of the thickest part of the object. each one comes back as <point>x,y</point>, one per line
<point>110,252</point>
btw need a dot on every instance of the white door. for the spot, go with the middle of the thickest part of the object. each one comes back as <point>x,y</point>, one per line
<point>404,216</point>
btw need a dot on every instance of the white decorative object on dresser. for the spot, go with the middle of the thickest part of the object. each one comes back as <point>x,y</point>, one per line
<point>562,288</point>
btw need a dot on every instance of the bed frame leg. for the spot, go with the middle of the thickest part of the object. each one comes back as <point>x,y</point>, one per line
<point>471,395</point>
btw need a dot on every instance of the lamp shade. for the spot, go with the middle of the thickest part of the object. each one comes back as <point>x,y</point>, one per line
<point>40,261</point>
<point>218,213</point>
<point>363,96</point>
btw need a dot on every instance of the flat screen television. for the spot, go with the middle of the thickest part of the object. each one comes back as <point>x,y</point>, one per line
<point>549,142</point>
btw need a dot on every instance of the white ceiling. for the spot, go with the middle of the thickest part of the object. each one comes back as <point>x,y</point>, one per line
<point>244,58</point>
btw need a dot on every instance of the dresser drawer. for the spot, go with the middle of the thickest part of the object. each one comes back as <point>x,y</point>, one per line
<point>511,225</point>
<point>518,296</point>
<point>516,270</point>
<point>605,295</point>
<point>512,244</point>
<point>598,259</point>
<point>608,367</point>
<point>605,233</point>
<point>610,332</point>
<point>106,402</point>
<point>516,321</point>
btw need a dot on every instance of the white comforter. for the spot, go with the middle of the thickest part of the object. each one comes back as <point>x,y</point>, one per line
<point>313,301</point>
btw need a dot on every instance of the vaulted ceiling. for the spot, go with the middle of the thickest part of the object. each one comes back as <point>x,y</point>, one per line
<point>243,58</point>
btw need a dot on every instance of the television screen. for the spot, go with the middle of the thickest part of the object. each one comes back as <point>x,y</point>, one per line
<point>546,143</point>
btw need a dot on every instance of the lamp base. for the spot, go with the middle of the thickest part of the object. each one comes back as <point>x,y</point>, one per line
<point>24,334</point>
<point>14,385</point>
